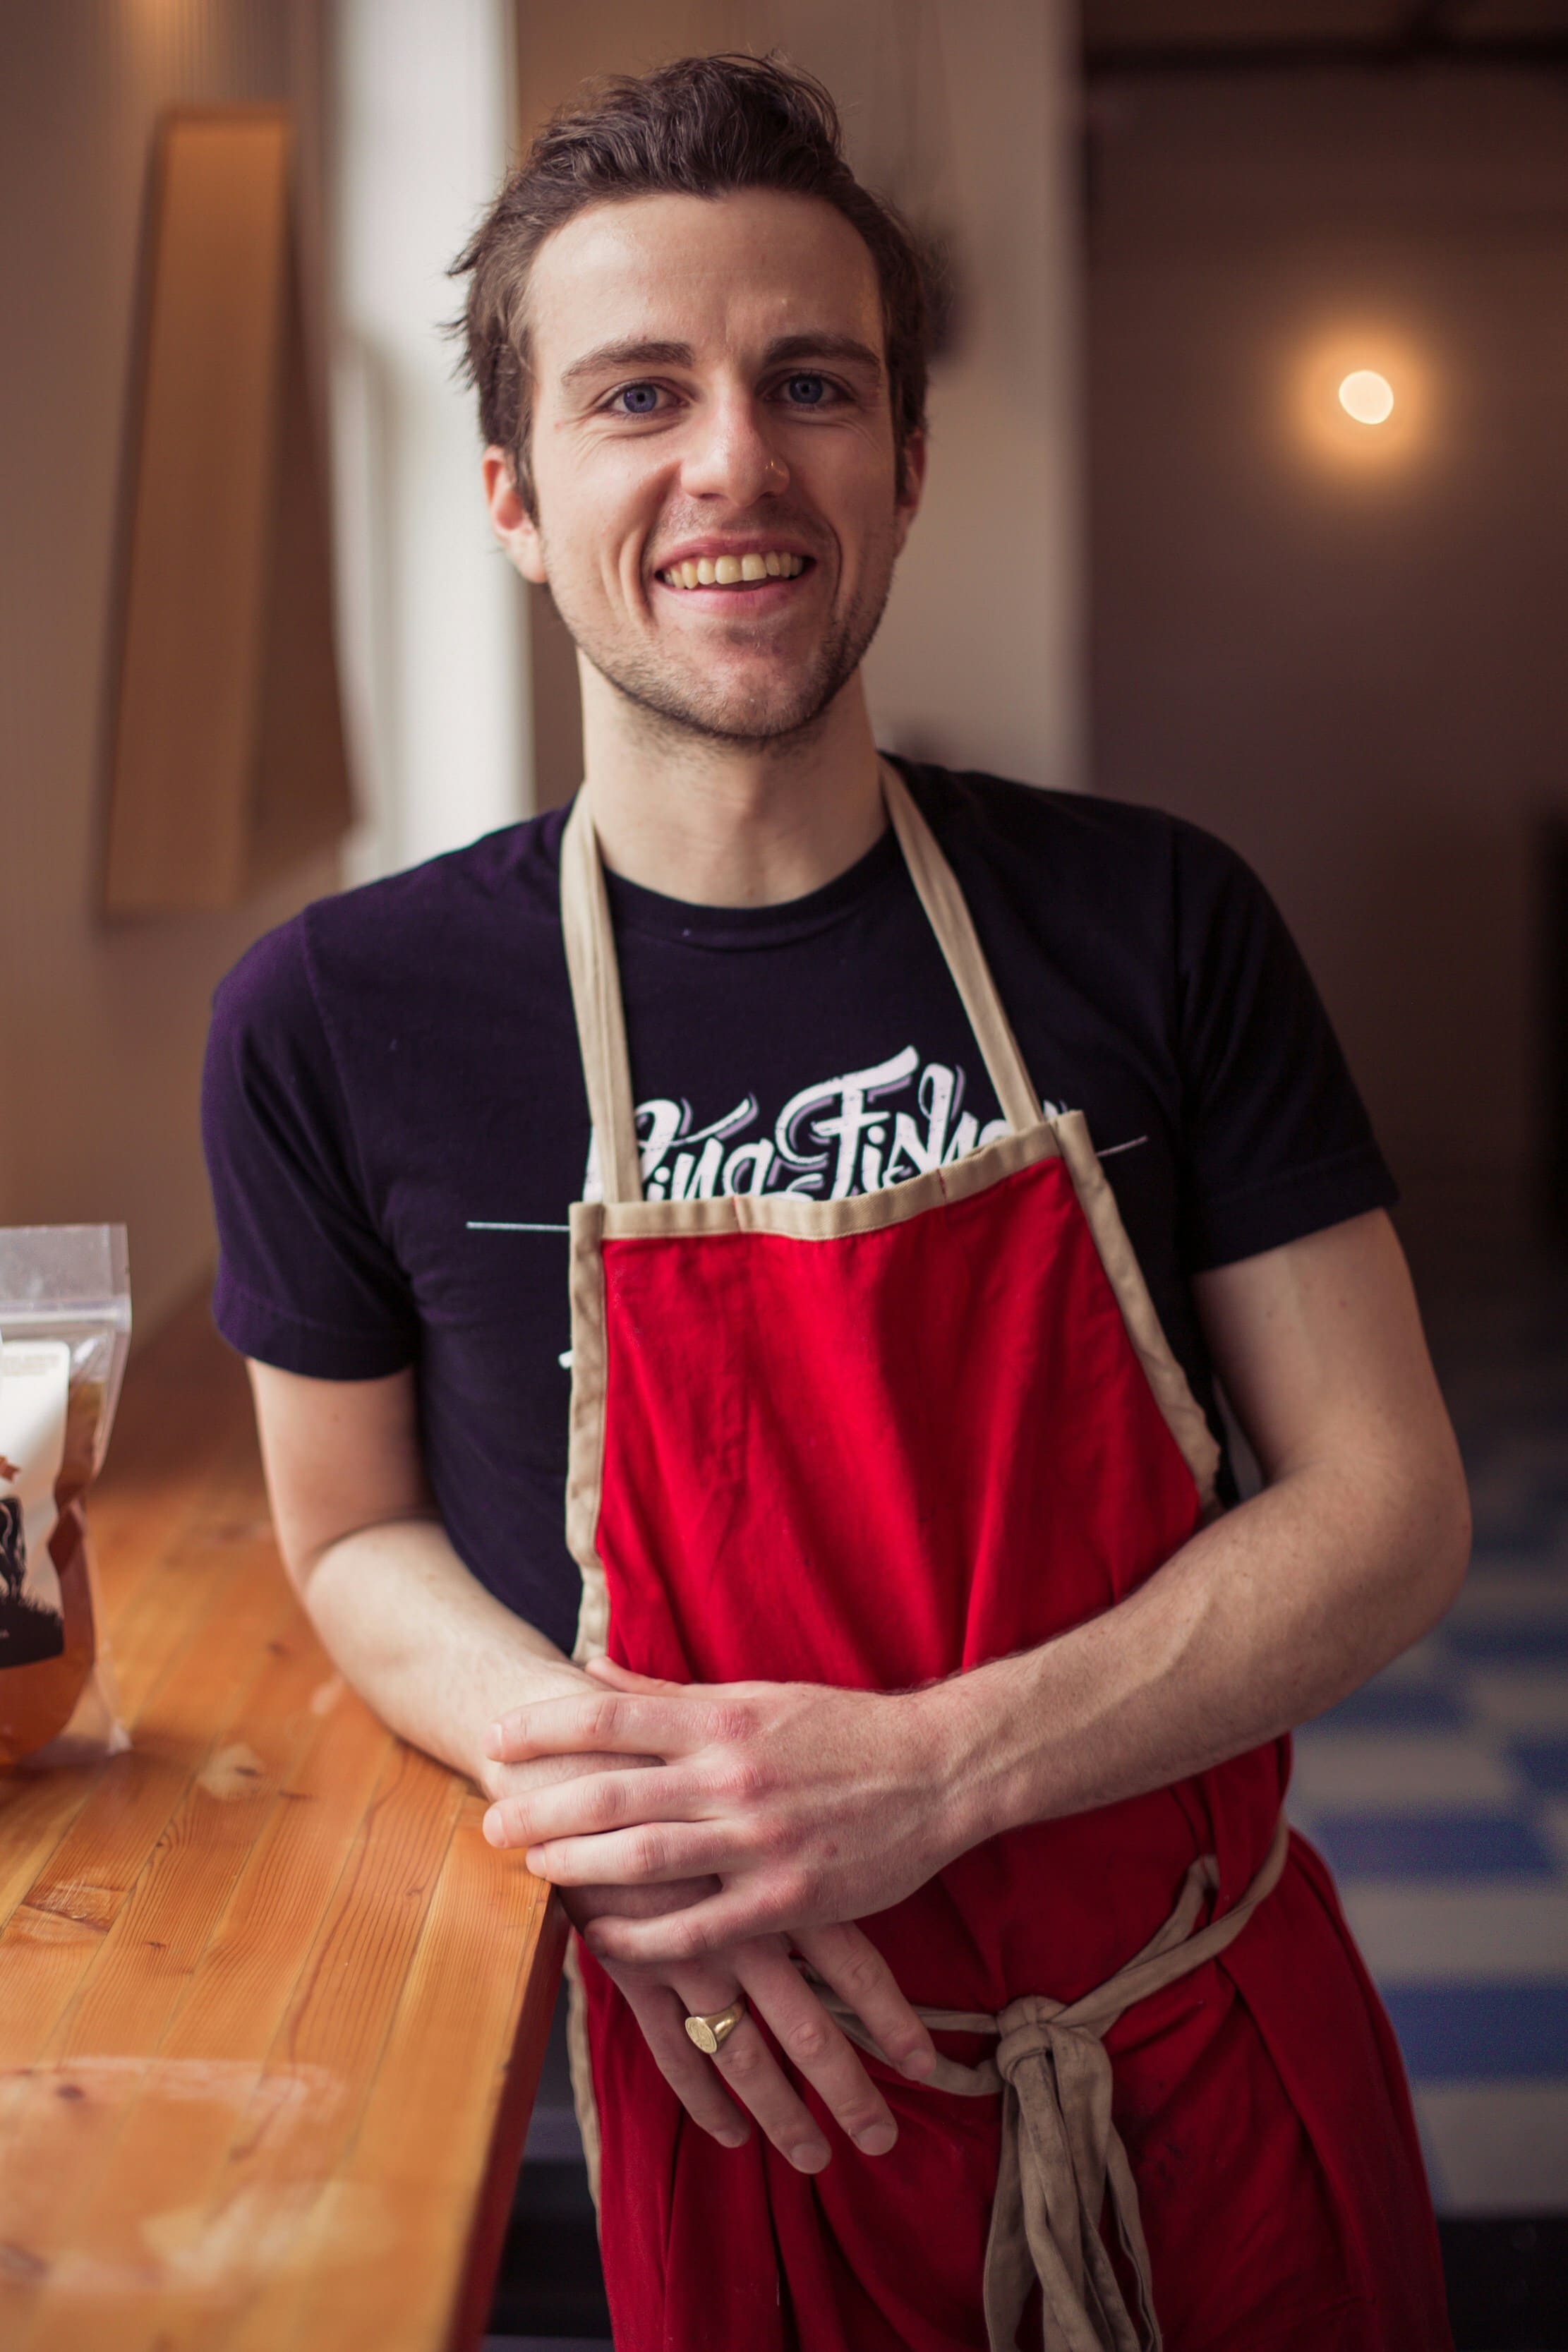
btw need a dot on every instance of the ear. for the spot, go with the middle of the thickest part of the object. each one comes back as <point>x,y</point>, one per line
<point>509,518</point>
<point>915,453</point>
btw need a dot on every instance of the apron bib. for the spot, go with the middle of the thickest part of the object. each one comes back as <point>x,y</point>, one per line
<point>876,1441</point>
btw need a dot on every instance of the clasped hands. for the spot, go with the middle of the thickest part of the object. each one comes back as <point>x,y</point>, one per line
<point>701,1833</point>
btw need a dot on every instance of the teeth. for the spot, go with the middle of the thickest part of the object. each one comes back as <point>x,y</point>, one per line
<point>729,571</point>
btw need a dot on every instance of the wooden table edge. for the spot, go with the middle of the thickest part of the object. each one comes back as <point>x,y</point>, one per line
<point>508,2133</point>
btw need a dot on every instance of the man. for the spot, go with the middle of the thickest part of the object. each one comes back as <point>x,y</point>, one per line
<point>917,1677</point>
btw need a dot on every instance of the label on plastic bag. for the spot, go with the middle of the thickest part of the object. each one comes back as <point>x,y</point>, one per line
<point>65,1326</point>
<point>35,1385</point>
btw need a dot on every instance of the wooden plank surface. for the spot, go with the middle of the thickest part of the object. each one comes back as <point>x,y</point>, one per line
<point>272,2012</point>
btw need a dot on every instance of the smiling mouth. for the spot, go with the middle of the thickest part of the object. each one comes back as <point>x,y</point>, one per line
<point>733,570</point>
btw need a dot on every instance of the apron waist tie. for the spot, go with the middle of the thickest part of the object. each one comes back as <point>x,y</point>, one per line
<point>1061,2153</point>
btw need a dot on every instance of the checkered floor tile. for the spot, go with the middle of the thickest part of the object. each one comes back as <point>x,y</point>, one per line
<point>1439,1795</point>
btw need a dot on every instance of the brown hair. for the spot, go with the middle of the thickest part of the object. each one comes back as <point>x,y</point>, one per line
<point>702,127</point>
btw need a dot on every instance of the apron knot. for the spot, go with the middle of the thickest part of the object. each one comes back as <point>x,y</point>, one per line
<point>1062,2163</point>
<point>1063,2166</point>
<point>1024,2033</point>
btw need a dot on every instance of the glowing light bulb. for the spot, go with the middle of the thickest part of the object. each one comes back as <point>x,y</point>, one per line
<point>1367,396</point>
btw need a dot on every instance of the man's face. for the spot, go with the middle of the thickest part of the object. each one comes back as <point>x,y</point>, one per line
<point>710,392</point>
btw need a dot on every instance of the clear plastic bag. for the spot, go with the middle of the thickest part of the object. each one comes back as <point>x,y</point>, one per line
<point>65,1327</point>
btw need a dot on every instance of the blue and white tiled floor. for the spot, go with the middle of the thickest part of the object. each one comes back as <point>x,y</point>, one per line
<point>1439,1793</point>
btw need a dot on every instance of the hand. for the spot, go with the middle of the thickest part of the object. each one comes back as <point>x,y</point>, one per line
<point>810,1805</point>
<point>498,1780</point>
<point>501,1781</point>
<point>661,1998</point>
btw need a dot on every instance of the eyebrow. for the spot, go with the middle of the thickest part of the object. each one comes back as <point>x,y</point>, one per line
<point>628,354</point>
<point>779,353</point>
<point>785,348</point>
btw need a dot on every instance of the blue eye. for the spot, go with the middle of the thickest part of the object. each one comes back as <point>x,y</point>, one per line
<point>640,399</point>
<point>806,391</point>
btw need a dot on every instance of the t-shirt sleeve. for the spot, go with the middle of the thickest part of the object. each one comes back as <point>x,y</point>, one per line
<point>305,1281</point>
<point>1277,1141</point>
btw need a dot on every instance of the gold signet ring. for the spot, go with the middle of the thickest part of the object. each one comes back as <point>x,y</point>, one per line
<point>712,2032</point>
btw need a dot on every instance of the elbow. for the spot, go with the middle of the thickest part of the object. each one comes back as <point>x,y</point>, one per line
<point>1437,1534</point>
<point>304,1560</point>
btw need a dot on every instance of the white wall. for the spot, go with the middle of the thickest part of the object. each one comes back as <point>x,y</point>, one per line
<point>102,1028</point>
<point>431,611</point>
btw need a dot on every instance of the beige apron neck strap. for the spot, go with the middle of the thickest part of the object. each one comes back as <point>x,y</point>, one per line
<point>590,942</point>
<point>601,1020</point>
<point>936,887</point>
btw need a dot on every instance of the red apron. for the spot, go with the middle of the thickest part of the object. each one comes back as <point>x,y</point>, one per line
<point>869,1443</point>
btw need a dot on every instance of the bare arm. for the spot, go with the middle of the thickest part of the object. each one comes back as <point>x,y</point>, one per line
<point>1353,1550</point>
<point>1263,1619</point>
<point>437,1656</point>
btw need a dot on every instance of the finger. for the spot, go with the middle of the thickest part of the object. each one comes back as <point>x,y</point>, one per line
<point>613,1721</point>
<point>621,1677</point>
<point>846,1959</point>
<point>755,2077</point>
<point>815,2046</point>
<point>700,2089</point>
<point>545,1771</point>
<point>652,1852</point>
<point>592,1803</point>
<point>734,1916</point>
<point>585,1903</point>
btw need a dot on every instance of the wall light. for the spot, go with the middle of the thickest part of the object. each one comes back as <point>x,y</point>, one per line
<point>1366,423</point>
<point>1367,396</point>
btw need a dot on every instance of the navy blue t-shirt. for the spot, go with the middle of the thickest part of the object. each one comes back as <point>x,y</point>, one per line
<point>395,1119</point>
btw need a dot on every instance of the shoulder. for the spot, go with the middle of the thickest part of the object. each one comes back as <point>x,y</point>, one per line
<point>1119,867</point>
<point>266,998</point>
<point>1003,815</point>
<point>403,932</point>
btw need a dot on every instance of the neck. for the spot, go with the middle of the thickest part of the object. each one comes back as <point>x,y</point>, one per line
<point>730,825</point>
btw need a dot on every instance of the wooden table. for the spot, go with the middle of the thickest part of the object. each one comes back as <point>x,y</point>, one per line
<point>272,2012</point>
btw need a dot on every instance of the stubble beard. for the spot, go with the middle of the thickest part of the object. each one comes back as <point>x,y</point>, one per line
<point>675,703</point>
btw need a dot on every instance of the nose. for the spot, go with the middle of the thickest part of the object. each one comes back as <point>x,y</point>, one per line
<point>730,455</point>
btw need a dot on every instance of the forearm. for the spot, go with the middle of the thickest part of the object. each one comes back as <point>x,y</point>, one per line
<point>1267,1617</point>
<point>853,1800</point>
<point>420,1639</point>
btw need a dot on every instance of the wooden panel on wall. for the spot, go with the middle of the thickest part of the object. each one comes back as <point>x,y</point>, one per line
<point>229,760</point>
